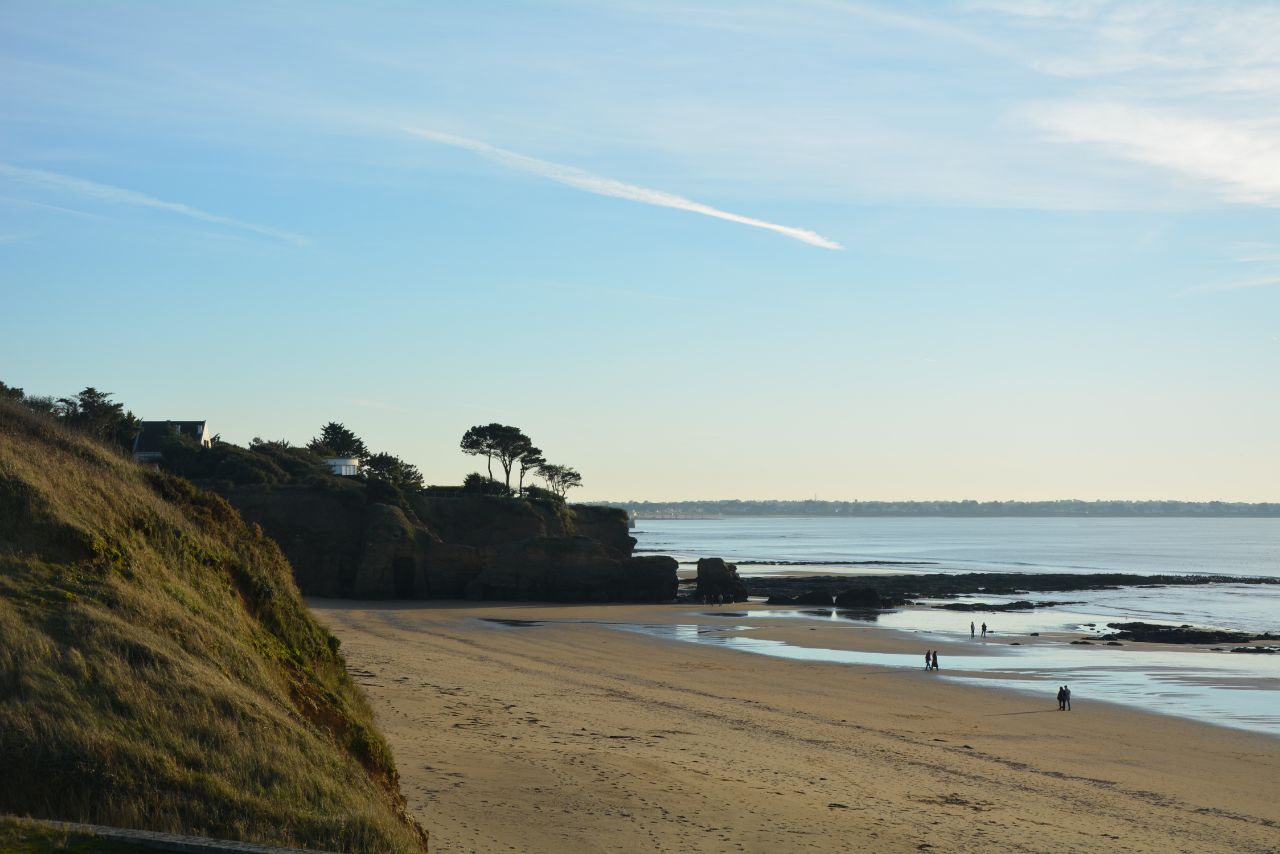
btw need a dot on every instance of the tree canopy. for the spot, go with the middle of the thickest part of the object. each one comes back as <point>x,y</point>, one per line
<point>393,470</point>
<point>335,440</point>
<point>560,479</point>
<point>511,447</point>
<point>493,441</point>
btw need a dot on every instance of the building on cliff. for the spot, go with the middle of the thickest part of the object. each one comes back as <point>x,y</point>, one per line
<point>343,466</point>
<point>147,446</point>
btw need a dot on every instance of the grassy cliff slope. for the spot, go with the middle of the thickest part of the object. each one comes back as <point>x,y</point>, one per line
<point>158,669</point>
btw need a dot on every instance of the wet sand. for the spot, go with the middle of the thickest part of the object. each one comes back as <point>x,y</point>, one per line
<point>579,737</point>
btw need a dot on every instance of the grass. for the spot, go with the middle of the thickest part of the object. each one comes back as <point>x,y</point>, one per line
<point>28,837</point>
<point>158,669</point>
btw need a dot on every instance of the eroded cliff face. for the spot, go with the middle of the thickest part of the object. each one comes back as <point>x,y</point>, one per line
<point>474,547</point>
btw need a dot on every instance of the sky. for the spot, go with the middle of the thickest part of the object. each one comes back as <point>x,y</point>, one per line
<point>844,250</point>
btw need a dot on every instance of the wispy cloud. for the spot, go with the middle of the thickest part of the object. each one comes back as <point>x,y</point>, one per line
<point>588,182</point>
<point>1241,162</point>
<point>1236,285</point>
<point>120,195</point>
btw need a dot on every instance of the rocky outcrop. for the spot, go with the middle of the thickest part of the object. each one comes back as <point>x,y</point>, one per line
<point>897,590</point>
<point>608,526</point>
<point>487,520</point>
<point>719,580</point>
<point>1153,633</point>
<point>573,569</point>
<point>477,547</point>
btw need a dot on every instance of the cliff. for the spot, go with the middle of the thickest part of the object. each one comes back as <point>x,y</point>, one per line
<point>467,546</point>
<point>159,670</point>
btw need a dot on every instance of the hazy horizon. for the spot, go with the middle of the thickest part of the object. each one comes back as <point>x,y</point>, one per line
<point>876,251</point>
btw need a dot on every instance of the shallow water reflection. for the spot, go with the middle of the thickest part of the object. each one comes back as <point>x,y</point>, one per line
<point>1241,691</point>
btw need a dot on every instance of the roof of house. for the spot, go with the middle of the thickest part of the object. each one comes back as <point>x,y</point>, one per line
<point>153,433</point>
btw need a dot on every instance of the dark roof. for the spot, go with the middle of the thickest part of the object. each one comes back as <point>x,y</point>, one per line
<point>149,440</point>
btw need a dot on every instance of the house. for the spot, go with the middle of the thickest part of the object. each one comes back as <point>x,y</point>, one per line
<point>146,448</point>
<point>344,466</point>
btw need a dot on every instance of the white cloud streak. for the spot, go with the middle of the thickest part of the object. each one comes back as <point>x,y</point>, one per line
<point>588,182</point>
<point>120,195</point>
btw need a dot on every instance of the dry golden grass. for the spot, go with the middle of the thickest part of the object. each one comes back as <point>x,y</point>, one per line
<point>159,670</point>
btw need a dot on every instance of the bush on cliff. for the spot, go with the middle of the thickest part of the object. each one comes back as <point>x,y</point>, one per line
<point>158,669</point>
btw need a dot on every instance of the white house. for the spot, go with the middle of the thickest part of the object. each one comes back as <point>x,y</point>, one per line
<point>345,466</point>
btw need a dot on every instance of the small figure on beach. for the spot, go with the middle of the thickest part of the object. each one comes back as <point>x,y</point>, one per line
<point>971,628</point>
<point>984,630</point>
<point>1066,696</point>
<point>928,659</point>
<point>935,659</point>
<point>1062,697</point>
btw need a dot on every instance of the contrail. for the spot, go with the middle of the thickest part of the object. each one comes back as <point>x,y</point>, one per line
<point>602,186</point>
<point>106,192</point>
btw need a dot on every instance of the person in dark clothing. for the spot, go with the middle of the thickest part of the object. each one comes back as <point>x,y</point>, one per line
<point>984,630</point>
<point>928,659</point>
<point>1062,697</point>
<point>1066,696</point>
<point>935,659</point>
<point>971,628</point>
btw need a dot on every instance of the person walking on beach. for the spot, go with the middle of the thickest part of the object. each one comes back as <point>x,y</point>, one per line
<point>971,628</point>
<point>928,659</point>
<point>984,630</point>
<point>935,659</point>
<point>1062,697</point>
<point>1066,697</point>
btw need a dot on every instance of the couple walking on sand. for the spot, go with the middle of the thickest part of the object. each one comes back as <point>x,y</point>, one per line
<point>1064,699</point>
<point>931,659</point>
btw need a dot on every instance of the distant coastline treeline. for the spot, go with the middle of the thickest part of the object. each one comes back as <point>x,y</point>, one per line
<point>1066,507</point>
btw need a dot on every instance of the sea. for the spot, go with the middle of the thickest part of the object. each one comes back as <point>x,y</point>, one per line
<point>1219,686</point>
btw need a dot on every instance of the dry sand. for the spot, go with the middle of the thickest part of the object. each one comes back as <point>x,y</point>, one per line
<point>578,737</point>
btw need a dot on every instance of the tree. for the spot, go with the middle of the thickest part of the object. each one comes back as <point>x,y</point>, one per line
<point>476,442</point>
<point>93,412</point>
<point>560,479</point>
<point>8,392</point>
<point>500,441</point>
<point>529,460</point>
<point>335,440</point>
<point>393,470</point>
<point>509,444</point>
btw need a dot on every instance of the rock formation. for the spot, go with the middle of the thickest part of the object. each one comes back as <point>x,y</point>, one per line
<point>719,579</point>
<point>475,547</point>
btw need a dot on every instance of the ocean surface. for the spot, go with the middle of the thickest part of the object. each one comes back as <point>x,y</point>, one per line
<point>1233,689</point>
<point>944,544</point>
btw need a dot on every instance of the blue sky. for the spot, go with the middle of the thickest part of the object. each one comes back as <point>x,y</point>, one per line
<point>852,250</point>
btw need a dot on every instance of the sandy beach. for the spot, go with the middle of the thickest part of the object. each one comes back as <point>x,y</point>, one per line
<point>575,736</point>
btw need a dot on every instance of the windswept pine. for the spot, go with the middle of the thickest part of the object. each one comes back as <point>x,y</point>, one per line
<point>159,669</point>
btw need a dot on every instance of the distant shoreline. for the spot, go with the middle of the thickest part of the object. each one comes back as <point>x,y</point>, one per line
<point>733,509</point>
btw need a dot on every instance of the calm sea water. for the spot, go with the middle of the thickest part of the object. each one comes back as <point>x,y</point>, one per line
<point>1222,687</point>
<point>1217,546</point>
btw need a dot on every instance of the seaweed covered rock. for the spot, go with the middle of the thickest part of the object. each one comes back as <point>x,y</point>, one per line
<point>1154,633</point>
